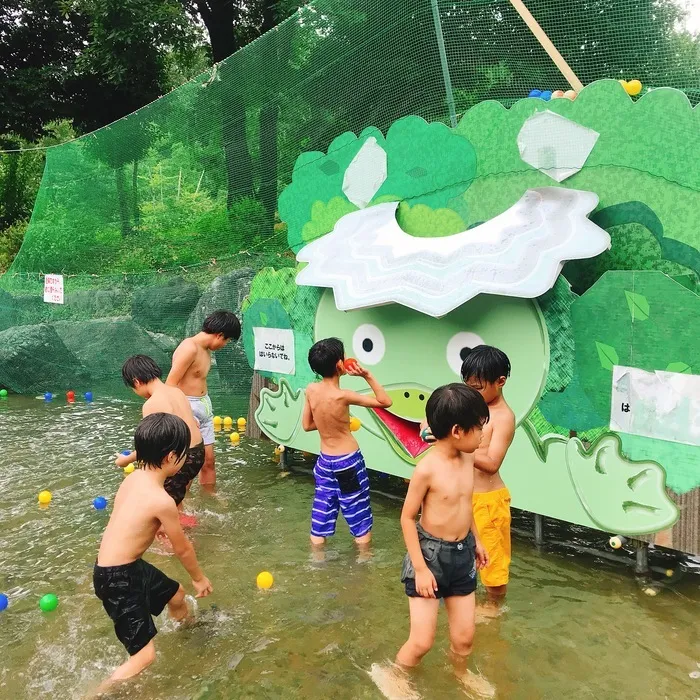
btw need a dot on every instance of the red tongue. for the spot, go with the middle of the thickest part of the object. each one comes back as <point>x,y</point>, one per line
<point>405,431</point>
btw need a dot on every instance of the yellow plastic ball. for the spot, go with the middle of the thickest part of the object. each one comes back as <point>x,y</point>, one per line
<point>235,438</point>
<point>228,422</point>
<point>217,420</point>
<point>45,498</point>
<point>633,87</point>
<point>128,469</point>
<point>264,580</point>
<point>281,449</point>
<point>557,94</point>
<point>571,94</point>
<point>355,424</point>
<point>242,422</point>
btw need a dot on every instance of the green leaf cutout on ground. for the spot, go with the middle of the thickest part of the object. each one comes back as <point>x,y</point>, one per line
<point>639,306</point>
<point>607,354</point>
<point>680,367</point>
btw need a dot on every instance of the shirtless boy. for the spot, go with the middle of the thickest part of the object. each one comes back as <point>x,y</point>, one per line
<point>190,367</point>
<point>132,590</point>
<point>340,474</point>
<point>444,550</point>
<point>142,374</point>
<point>486,369</point>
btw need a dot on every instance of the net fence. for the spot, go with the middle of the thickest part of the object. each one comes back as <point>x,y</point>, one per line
<point>167,214</point>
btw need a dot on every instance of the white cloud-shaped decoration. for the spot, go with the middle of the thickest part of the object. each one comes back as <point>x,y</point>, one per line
<point>369,261</point>
<point>365,174</point>
<point>555,145</point>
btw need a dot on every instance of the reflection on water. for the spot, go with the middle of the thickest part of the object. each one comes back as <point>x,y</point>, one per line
<point>575,628</point>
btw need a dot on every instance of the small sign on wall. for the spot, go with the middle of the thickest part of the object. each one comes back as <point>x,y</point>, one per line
<point>274,350</point>
<point>53,289</point>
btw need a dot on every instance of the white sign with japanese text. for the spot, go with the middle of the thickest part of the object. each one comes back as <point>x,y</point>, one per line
<point>274,350</point>
<point>53,289</point>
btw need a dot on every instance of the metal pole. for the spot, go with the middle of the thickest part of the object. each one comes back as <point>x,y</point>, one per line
<point>642,559</point>
<point>443,62</point>
<point>284,459</point>
<point>539,529</point>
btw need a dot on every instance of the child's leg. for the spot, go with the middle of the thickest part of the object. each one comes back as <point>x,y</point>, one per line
<point>462,622</point>
<point>325,508</point>
<point>424,615</point>
<point>461,618</point>
<point>355,505</point>
<point>177,605</point>
<point>136,663</point>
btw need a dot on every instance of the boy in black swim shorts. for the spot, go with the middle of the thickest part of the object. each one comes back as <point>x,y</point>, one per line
<point>143,375</point>
<point>444,550</point>
<point>132,591</point>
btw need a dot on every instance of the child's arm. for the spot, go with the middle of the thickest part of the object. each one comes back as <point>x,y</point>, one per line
<point>183,358</point>
<point>489,460</point>
<point>379,400</point>
<point>307,417</point>
<point>170,520</point>
<point>482,556</point>
<point>124,460</point>
<point>426,585</point>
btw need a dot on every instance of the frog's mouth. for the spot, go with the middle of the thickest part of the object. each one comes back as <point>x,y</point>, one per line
<point>400,424</point>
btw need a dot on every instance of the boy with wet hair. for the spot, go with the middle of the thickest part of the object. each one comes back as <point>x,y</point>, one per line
<point>143,375</point>
<point>444,549</point>
<point>133,591</point>
<point>341,478</point>
<point>487,369</point>
<point>190,367</point>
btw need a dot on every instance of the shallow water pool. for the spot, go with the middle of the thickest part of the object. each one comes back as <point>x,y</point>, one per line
<point>575,628</point>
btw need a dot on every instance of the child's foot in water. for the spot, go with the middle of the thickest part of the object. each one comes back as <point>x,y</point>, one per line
<point>188,520</point>
<point>489,610</point>
<point>476,685</point>
<point>393,682</point>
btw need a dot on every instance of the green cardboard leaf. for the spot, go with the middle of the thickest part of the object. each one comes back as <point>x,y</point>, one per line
<point>639,306</point>
<point>263,318</point>
<point>679,367</point>
<point>607,355</point>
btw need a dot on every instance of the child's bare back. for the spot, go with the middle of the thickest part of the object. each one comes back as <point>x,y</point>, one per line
<point>140,507</point>
<point>330,408</point>
<point>170,399</point>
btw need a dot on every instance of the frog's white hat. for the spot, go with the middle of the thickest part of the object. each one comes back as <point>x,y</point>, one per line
<point>369,261</point>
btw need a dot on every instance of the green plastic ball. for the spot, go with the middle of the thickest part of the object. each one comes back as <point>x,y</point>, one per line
<point>48,602</point>
<point>3,393</point>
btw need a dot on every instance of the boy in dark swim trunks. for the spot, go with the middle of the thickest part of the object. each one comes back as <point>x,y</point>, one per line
<point>341,477</point>
<point>143,375</point>
<point>132,591</point>
<point>444,550</point>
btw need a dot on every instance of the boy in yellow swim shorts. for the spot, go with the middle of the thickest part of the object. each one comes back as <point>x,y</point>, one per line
<point>486,369</point>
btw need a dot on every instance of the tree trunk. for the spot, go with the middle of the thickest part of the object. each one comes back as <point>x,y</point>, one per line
<point>275,54</point>
<point>220,17</point>
<point>124,217</point>
<point>269,114</point>
<point>135,193</point>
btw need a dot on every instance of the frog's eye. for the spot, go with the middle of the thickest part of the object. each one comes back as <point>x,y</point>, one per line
<point>368,344</point>
<point>458,348</point>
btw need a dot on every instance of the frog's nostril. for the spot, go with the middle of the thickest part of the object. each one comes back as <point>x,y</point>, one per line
<point>421,397</point>
<point>406,395</point>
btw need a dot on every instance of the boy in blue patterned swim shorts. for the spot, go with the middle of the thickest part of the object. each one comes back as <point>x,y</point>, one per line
<point>341,478</point>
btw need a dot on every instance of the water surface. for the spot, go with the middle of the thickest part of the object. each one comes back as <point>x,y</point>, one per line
<point>576,627</point>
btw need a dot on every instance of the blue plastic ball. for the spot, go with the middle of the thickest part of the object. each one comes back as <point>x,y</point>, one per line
<point>100,503</point>
<point>4,602</point>
<point>88,396</point>
<point>535,93</point>
<point>546,95</point>
<point>48,396</point>
<point>126,453</point>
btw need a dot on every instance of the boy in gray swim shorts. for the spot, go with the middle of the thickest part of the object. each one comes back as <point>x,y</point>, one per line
<point>191,365</point>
